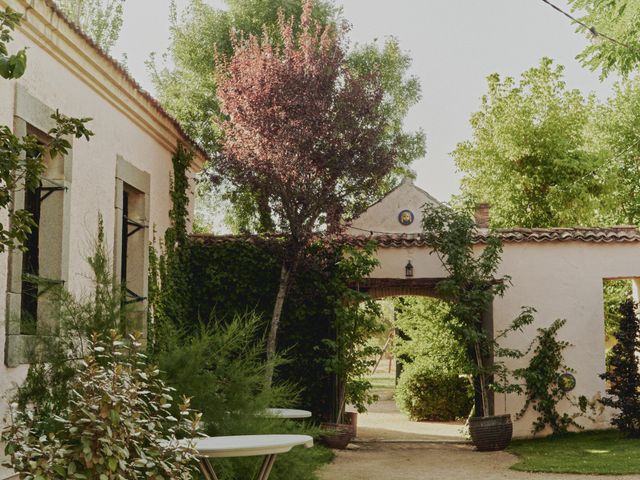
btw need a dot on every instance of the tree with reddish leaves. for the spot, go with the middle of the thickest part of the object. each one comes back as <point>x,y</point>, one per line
<point>303,131</point>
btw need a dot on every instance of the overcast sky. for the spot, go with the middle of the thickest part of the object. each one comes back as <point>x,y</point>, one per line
<point>454,44</point>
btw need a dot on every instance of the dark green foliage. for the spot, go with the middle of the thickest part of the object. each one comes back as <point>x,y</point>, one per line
<point>181,160</point>
<point>356,321</point>
<point>624,376</point>
<point>542,389</point>
<point>221,367</point>
<point>167,278</point>
<point>230,277</point>
<point>428,393</point>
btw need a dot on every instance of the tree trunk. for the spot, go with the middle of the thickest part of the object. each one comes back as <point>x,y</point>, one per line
<point>285,275</point>
<point>483,380</point>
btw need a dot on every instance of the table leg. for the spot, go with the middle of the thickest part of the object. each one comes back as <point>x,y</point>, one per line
<point>267,465</point>
<point>207,469</point>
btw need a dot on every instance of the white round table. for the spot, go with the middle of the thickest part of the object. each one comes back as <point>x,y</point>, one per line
<point>268,446</point>
<point>288,413</point>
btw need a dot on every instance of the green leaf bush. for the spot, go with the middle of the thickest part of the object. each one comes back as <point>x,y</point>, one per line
<point>117,425</point>
<point>427,393</point>
<point>429,387</point>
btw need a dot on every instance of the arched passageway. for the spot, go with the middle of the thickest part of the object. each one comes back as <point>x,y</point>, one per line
<point>559,271</point>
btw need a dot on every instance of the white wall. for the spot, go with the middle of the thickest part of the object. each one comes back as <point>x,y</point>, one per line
<point>65,73</point>
<point>560,280</point>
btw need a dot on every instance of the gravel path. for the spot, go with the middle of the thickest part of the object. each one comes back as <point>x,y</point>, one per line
<point>425,461</point>
<point>390,447</point>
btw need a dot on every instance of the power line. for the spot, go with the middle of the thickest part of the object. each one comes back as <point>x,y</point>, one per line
<point>591,29</point>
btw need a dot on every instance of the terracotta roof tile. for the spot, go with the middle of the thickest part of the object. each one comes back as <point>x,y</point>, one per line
<point>512,235</point>
<point>519,235</point>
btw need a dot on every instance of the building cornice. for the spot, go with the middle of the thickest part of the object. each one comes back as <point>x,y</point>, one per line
<point>45,26</point>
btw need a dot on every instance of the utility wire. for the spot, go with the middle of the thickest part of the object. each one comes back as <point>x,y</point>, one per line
<point>591,29</point>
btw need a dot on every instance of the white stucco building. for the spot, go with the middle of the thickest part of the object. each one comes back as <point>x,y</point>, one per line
<point>122,173</point>
<point>558,271</point>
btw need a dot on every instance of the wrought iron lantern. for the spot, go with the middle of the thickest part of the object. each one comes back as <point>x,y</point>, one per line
<point>408,270</point>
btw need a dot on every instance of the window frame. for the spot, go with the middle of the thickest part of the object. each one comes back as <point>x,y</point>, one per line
<point>131,178</point>
<point>34,116</point>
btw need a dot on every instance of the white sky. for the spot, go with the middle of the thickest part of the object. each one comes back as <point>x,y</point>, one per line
<point>454,44</point>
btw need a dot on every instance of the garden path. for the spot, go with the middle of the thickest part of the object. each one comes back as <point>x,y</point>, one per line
<point>385,422</point>
<point>390,447</point>
<point>432,461</point>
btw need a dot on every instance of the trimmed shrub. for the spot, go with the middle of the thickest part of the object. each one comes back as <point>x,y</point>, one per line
<point>427,393</point>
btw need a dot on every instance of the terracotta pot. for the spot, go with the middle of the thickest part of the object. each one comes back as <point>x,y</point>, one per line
<point>491,433</point>
<point>351,419</point>
<point>336,435</point>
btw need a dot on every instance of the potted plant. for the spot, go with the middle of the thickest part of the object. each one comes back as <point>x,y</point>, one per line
<point>470,288</point>
<point>356,320</point>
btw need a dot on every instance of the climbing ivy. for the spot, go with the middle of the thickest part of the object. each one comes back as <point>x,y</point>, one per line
<point>168,280</point>
<point>542,387</point>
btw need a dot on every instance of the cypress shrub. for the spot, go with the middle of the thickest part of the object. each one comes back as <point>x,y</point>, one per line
<point>623,375</point>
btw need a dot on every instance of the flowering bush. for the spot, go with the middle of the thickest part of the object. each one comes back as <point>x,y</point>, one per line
<point>117,425</point>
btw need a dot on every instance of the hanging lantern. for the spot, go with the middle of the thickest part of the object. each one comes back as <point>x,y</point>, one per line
<point>408,270</point>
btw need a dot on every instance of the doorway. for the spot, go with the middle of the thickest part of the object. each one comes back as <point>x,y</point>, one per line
<point>418,376</point>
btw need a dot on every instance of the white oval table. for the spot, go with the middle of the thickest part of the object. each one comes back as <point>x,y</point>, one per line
<point>268,446</point>
<point>288,413</point>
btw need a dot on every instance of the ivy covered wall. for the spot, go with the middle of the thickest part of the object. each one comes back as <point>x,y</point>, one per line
<point>225,276</point>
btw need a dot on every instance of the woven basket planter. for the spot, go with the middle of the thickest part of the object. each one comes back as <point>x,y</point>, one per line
<point>336,435</point>
<point>491,433</point>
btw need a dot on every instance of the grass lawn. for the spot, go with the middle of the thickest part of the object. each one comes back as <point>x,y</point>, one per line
<point>596,452</point>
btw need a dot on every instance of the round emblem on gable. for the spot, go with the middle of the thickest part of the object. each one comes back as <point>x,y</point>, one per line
<point>406,217</point>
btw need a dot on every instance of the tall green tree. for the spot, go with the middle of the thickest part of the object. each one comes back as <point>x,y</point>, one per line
<point>186,84</point>
<point>617,19</point>
<point>616,133</point>
<point>100,19</point>
<point>528,155</point>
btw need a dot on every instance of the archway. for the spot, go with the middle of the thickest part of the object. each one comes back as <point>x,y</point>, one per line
<point>407,408</point>
<point>558,271</point>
